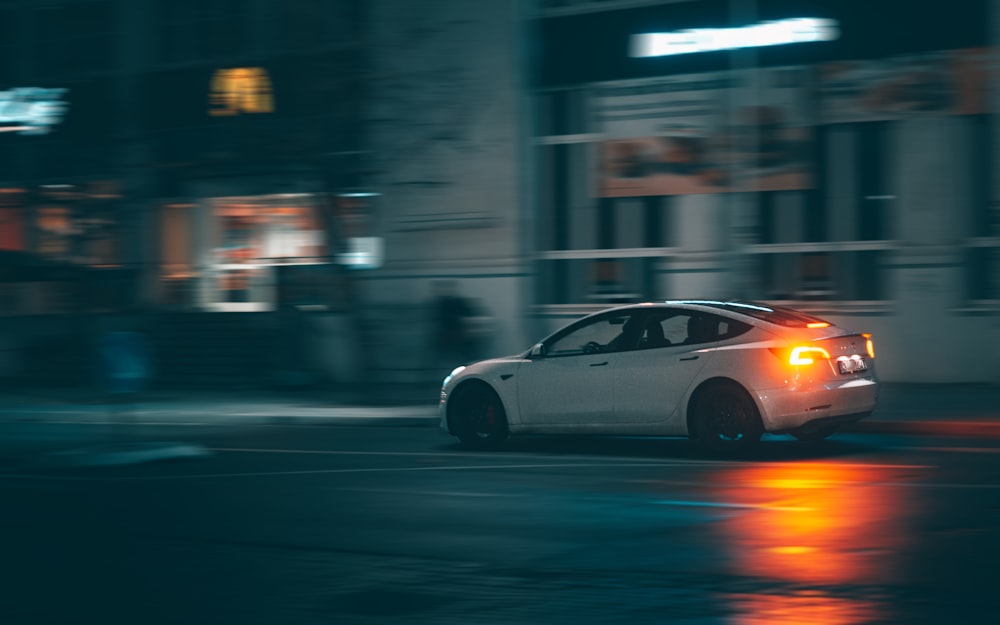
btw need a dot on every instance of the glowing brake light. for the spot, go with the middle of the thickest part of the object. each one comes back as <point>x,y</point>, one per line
<point>807,355</point>
<point>818,324</point>
<point>869,345</point>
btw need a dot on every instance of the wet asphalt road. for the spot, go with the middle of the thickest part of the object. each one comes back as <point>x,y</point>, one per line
<point>349,524</point>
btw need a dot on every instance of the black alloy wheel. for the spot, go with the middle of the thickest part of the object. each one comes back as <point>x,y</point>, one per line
<point>726,419</point>
<point>478,418</point>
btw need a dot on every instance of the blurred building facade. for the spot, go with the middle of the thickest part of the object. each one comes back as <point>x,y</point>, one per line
<point>178,156</point>
<point>855,176</point>
<point>242,167</point>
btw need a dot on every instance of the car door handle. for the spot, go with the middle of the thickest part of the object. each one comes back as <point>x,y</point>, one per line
<point>690,358</point>
<point>599,364</point>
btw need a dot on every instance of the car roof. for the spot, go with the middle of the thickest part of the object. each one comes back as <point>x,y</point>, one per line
<point>744,309</point>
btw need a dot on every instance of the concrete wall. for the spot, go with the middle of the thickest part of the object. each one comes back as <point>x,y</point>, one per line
<point>445,143</point>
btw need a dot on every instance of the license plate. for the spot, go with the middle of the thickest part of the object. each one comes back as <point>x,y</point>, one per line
<point>852,365</point>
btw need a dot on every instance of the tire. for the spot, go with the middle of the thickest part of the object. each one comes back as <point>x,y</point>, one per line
<point>725,419</point>
<point>817,435</point>
<point>478,418</point>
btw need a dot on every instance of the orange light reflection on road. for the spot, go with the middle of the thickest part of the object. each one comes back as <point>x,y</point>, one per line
<point>801,608</point>
<point>815,526</point>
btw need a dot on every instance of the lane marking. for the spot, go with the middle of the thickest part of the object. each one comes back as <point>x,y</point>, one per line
<point>128,478</point>
<point>339,452</point>
<point>929,485</point>
<point>455,454</point>
<point>94,422</point>
<point>433,493</point>
<point>971,450</point>
<point>374,470</point>
<point>673,462</point>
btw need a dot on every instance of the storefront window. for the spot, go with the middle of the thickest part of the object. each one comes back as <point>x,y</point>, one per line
<point>982,253</point>
<point>78,223</point>
<point>12,219</point>
<point>177,261</point>
<point>797,179</point>
<point>254,235</point>
<point>54,229</point>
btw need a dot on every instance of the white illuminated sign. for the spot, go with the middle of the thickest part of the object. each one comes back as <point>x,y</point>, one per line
<point>363,253</point>
<point>31,110</point>
<point>774,33</point>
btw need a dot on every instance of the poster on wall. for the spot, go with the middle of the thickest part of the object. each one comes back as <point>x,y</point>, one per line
<point>953,82</point>
<point>705,133</point>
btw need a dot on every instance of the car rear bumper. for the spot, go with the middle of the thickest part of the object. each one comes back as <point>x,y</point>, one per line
<point>799,409</point>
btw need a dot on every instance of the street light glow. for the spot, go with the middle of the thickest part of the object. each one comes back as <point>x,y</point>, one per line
<point>772,33</point>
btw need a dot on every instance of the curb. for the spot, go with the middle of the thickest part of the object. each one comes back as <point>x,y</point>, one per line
<point>971,429</point>
<point>413,422</point>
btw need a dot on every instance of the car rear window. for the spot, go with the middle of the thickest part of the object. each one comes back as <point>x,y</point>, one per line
<point>772,314</point>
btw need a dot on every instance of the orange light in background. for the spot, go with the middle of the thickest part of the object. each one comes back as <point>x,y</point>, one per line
<point>818,324</point>
<point>241,90</point>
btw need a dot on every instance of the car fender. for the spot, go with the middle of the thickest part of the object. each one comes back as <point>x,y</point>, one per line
<point>728,365</point>
<point>500,375</point>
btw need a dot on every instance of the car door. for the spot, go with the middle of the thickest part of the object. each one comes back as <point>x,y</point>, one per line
<point>570,383</point>
<point>651,380</point>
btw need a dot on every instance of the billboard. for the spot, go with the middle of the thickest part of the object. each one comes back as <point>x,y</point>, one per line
<point>953,82</point>
<point>705,133</point>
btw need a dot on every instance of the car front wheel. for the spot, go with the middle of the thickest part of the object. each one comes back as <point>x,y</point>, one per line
<point>725,418</point>
<point>478,418</point>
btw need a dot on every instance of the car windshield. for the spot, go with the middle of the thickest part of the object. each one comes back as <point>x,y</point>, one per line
<point>772,314</point>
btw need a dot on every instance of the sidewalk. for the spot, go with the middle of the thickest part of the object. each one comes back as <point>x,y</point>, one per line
<point>933,410</point>
<point>969,410</point>
<point>93,447</point>
<point>217,408</point>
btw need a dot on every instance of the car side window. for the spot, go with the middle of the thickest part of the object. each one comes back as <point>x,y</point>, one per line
<point>657,332</point>
<point>605,334</point>
<point>730,328</point>
<point>675,329</point>
<point>663,329</point>
<point>706,328</point>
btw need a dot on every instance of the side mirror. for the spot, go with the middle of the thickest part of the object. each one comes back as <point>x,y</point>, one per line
<point>538,351</point>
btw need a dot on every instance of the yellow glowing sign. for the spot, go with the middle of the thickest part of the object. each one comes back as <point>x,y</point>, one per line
<point>241,90</point>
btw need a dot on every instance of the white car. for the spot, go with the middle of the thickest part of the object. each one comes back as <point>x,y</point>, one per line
<point>722,373</point>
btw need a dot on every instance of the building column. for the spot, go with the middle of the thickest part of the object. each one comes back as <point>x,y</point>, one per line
<point>701,270</point>
<point>995,176</point>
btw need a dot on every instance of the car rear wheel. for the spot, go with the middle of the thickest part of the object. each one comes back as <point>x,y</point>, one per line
<point>478,418</point>
<point>725,418</point>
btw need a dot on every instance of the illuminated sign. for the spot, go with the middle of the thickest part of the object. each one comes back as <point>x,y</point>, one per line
<point>31,110</point>
<point>363,253</point>
<point>241,90</point>
<point>773,33</point>
<point>358,250</point>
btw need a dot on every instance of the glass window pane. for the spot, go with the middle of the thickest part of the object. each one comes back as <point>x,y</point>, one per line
<point>608,334</point>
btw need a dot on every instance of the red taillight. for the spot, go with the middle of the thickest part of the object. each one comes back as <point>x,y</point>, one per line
<point>869,345</point>
<point>800,355</point>
<point>807,355</point>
